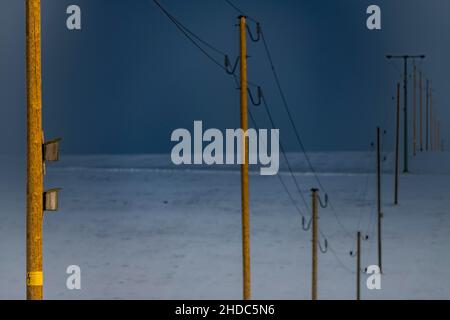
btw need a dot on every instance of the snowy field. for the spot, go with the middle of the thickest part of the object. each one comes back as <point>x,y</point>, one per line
<point>142,229</point>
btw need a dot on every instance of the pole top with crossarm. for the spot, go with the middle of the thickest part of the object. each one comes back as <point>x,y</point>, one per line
<point>405,56</point>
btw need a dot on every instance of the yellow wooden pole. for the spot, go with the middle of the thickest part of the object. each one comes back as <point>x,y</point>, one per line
<point>34,277</point>
<point>414,111</point>
<point>439,137</point>
<point>436,129</point>
<point>314,243</point>
<point>431,119</point>
<point>244,166</point>
<point>421,110</point>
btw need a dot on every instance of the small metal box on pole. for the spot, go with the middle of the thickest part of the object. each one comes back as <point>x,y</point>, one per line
<point>51,199</point>
<point>51,150</point>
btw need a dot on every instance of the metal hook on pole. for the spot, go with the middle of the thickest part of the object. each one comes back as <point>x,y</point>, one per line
<point>323,249</point>
<point>228,64</point>
<point>304,223</point>
<point>258,32</point>
<point>258,103</point>
<point>323,205</point>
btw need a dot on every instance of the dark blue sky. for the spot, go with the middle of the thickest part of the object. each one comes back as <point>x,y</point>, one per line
<point>129,78</point>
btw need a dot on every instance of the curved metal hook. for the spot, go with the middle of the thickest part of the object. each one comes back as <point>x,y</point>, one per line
<point>324,206</point>
<point>228,64</point>
<point>259,97</point>
<point>258,32</point>
<point>308,226</point>
<point>325,249</point>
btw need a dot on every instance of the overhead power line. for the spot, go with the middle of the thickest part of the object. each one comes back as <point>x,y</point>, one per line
<point>190,35</point>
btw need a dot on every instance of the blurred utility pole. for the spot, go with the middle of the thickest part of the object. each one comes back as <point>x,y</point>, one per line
<point>421,111</point>
<point>405,88</point>
<point>414,109</point>
<point>427,125</point>
<point>397,145</point>
<point>358,265</point>
<point>439,145</point>
<point>379,214</point>
<point>314,243</point>
<point>431,118</point>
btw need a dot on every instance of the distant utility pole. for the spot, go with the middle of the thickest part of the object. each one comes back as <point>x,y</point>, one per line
<point>244,166</point>
<point>397,145</point>
<point>358,265</point>
<point>436,129</point>
<point>431,118</point>
<point>414,109</point>
<point>405,80</point>
<point>379,214</point>
<point>314,243</point>
<point>421,111</point>
<point>427,116</point>
<point>439,145</point>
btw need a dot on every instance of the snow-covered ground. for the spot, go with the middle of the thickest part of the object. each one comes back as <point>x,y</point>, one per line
<point>140,228</point>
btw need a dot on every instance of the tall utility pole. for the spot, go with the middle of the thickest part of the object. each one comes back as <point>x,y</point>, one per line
<point>314,243</point>
<point>414,109</point>
<point>427,117</point>
<point>421,111</point>
<point>405,88</point>
<point>431,118</point>
<point>436,129</point>
<point>244,166</point>
<point>397,145</point>
<point>35,184</point>
<point>438,142</point>
<point>379,214</point>
<point>358,266</point>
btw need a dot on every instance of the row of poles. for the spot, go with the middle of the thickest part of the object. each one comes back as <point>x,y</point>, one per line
<point>38,152</point>
<point>432,140</point>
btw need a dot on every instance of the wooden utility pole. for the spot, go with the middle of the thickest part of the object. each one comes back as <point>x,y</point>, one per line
<point>431,120</point>
<point>397,147</point>
<point>438,136</point>
<point>435,133</point>
<point>244,166</point>
<point>358,266</point>
<point>414,110</point>
<point>314,242</point>
<point>35,185</point>
<point>379,214</point>
<point>427,126</point>
<point>421,111</point>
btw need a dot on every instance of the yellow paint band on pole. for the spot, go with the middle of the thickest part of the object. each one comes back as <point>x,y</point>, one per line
<point>35,278</point>
<point>34,286</point>
<point>244,166</point>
